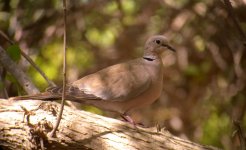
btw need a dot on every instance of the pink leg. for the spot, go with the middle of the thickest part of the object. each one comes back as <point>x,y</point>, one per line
<point>127,118</point>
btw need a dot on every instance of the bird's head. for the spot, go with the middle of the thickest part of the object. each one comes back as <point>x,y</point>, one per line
<point>155,45</point>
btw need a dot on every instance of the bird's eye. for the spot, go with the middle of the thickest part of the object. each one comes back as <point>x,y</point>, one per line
<point>158,41</point>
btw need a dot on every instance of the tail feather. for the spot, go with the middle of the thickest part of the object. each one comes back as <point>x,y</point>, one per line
<point>55,93</point>
<point>40,96</point>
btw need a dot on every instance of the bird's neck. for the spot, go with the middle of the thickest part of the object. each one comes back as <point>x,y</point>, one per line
<point>150,55</point>
<point>156,61</point>
<point>148,59</point>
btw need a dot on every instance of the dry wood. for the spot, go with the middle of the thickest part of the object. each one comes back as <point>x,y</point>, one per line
<point>78,130</point>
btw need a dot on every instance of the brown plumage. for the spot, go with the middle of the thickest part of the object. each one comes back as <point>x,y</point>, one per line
<point>121,87</point>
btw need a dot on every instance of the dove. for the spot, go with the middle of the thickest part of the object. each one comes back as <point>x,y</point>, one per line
<point>119,88</point>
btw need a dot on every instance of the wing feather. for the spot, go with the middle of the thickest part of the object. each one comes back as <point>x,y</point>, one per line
<point>119,82</point>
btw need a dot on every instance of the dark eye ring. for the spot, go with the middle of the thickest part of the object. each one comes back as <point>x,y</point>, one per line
<point>158,41</point>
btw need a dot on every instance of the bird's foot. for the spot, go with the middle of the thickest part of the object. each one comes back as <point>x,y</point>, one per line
<point>127,118</point>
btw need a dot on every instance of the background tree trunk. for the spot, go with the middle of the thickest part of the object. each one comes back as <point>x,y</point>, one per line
<point>78,130</point>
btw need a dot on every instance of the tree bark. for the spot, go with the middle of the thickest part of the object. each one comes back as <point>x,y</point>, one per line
<point>25,124</point>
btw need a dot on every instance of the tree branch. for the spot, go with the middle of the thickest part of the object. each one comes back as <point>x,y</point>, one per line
<point>51,83</point>
<point>235,21</point>
<point>78,130</point>
<point>19,75</point>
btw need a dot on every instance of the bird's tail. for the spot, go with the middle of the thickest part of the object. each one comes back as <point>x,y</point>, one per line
<point>55,93</point>
<point>41,96</point>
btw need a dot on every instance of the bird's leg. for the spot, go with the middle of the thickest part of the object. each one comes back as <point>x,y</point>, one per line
<point>127,118</point>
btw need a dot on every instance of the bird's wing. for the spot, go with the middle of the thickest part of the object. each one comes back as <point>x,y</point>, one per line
<point>71,93</point>
<point>117,82</point>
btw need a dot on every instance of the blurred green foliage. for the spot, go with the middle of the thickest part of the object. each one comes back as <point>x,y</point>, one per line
<point>103,38</point>
<point>14,52</point>
<point>204,81</point>
<point>214,128</point>
<point>50,61</point>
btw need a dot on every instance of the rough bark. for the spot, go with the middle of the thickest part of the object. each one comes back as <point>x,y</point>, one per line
<point>21,128</point>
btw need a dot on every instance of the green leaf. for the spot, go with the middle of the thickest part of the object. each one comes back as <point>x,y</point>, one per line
<point>14,52</point>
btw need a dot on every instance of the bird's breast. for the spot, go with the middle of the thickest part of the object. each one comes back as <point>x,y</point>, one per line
<point>152,93</point>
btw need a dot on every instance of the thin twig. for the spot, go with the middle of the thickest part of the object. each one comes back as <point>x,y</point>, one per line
<point>64,70</point>
<point>2,80</point>
<point>240,134</point>
<point>6,37</point>
<point>51,83</point>
<point>235,21</point>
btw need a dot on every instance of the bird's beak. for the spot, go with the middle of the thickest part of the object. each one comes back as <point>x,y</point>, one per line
<point>171,48</point>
